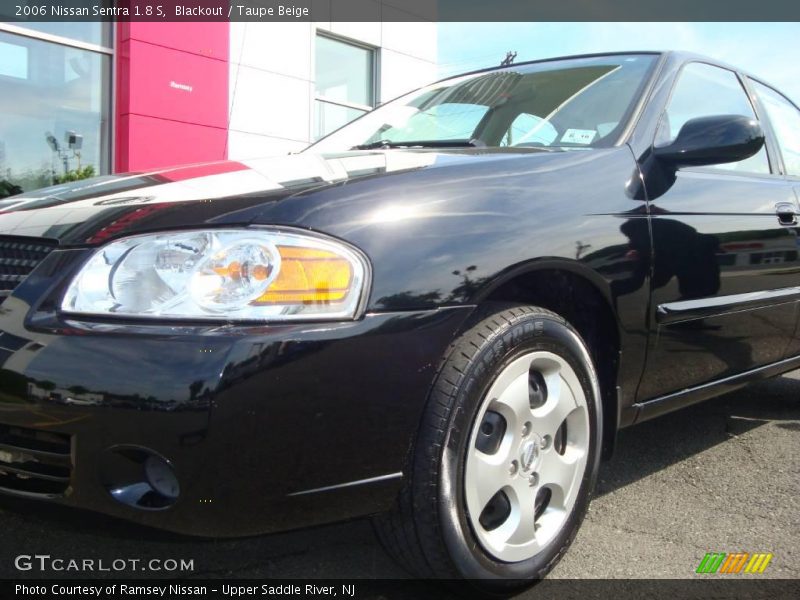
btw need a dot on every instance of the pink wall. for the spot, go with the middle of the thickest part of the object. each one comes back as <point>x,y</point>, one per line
<point>172,94</point>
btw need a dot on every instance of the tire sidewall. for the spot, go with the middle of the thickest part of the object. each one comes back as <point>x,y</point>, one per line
<point>529,332</point>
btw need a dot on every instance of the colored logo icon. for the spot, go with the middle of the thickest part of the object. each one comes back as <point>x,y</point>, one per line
<point>734,563</point>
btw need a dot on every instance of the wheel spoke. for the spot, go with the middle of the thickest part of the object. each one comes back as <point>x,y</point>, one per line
<point>560,403</point>
<point>524,505</point>
<point>548,524</point>
<point>490,475</point>
<point>559,472</point>
<point>514,405</point>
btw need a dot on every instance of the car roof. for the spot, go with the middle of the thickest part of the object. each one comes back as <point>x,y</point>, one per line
<point>674,56</point>
<point>551,59</point>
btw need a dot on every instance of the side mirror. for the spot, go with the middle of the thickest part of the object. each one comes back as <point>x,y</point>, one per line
<point>713,140</point>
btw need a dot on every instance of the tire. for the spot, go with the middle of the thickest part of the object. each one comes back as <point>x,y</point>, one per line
<point>458,459</point>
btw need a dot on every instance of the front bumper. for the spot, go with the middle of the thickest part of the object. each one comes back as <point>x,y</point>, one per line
<point>267,427</point>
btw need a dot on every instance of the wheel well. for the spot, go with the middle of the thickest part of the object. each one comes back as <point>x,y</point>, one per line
<point>587,310</point>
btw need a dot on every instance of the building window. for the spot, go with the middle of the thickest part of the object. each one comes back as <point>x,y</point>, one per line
<point>345,83</point>
<point>54,110</point>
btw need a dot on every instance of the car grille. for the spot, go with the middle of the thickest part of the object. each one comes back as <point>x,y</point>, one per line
<point>34,462</point>
<point>18,257</point>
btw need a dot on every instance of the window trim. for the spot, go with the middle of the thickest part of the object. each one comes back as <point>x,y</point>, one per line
<point>342,103</point>
<point>57,39</point>
<point>772,133</point>
<point>372,73</point>
<point>774,163</point>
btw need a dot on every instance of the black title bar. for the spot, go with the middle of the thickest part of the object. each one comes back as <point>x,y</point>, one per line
<point>20,11</point>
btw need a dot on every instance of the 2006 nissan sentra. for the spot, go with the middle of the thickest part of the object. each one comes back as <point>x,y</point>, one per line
<point>440,314</point>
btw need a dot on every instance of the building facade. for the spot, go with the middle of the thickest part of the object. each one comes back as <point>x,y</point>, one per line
<point>83,99</point>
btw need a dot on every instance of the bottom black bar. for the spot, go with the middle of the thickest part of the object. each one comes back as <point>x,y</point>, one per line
<point>703,587</point>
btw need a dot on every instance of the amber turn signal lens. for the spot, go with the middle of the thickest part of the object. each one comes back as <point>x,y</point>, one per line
<point>309,276</point>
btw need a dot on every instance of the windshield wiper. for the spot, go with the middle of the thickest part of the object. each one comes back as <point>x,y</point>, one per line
<point>386,144</point>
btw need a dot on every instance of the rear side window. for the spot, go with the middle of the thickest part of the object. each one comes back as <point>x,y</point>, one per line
<point>704,90</point>
<point>785,119</point>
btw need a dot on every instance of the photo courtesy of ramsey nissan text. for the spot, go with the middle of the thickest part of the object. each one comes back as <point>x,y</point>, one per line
<point>399,299</point>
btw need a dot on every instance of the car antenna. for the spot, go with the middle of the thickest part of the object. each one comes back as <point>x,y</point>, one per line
<point>510,56</point>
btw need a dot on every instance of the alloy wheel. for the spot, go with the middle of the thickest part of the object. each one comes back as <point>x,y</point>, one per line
<point>527,456</point>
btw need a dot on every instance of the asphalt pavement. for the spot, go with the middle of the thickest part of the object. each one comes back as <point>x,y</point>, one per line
<point>721,476</point>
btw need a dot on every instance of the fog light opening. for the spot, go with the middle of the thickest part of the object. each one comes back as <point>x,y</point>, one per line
<point>139,477</point>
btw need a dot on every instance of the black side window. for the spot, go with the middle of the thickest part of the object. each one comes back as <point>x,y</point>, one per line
<point>785,119</point>
<point>704,90</point>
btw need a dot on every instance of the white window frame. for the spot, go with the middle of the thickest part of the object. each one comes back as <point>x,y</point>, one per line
<point>112,73</point>
<point>373,74</point>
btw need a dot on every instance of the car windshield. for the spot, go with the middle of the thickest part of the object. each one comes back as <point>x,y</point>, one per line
<point>578,102</point>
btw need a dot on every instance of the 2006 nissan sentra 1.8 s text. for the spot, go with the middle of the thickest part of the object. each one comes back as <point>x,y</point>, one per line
<point>440,314</point>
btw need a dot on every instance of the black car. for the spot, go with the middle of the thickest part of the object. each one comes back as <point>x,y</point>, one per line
<point>440,314</point>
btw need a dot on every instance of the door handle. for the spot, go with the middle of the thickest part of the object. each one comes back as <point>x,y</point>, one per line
<point>787,213</point>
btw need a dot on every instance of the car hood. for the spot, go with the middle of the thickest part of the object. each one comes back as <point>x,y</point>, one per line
<point>215,194</point>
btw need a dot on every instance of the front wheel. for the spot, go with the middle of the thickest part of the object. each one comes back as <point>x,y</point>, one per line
<point>506,457</point>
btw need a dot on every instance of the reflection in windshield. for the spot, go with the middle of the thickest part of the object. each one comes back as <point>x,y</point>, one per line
<point>580,102</point>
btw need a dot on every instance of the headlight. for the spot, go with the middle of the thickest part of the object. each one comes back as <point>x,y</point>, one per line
<point>246,274</point>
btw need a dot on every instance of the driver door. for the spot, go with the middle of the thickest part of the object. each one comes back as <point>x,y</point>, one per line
<point>725,253</point>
